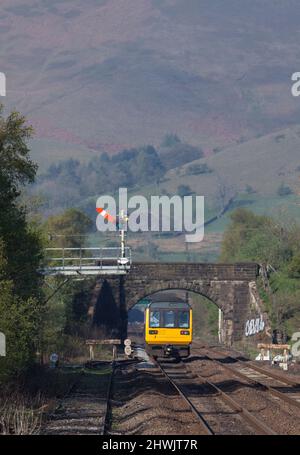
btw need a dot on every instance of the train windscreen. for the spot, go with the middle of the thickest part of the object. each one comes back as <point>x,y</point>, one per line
<point>169,319</point>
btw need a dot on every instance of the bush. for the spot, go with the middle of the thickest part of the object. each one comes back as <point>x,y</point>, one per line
<point>183,190</point>
<point>20,414</point>
<point>169,140</point>
<point>294,267</point>
<point>19,321</point>
<point>179,154</point>
<point>249,189</point>
<point>196,169</point>
<point>284,190</point>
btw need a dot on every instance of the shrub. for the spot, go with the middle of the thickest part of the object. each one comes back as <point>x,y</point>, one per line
<point>294,267</point>
<point>169,140</point>
<point>196,169</point>
<point>249,189</point>
<point>183,190</point>
<point>19,414</point>
<point>284,190</point>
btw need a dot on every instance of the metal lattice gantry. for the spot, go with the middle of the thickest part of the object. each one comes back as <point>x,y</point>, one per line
<point>86,261</point>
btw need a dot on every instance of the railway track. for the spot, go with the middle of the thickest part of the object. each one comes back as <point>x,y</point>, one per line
<point>211,405</point>
<point>205,427</point>
<point>85,410</point>
<point>272,374</point>
<point>280,387</point>
<point>106,420</point>
<point>216,411</point>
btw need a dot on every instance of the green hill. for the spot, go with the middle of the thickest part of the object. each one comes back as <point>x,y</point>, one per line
<point>255,169</point>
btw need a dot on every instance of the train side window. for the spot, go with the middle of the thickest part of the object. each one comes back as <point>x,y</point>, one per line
<point>183,319</point>
<point>169,319</point>
<point>154,318</point>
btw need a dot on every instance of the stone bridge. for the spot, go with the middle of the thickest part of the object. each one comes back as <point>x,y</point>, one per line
<point>229,286</point>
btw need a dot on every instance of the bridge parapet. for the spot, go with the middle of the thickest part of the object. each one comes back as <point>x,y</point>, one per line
<point>219,272</point>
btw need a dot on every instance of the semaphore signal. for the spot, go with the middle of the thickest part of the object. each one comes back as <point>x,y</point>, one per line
<point>106,215</point>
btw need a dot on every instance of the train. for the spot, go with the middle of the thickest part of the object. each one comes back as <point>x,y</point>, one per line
<point>168,329</point>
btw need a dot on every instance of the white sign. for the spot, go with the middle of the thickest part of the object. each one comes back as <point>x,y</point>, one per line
<point>128,350</point>
<point>2,345</point>
<point>254,326</point>
<point>2,84</point>
<point>53,358</point>
<point>266,356</point>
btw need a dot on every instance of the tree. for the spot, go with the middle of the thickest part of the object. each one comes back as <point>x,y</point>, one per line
<point>261,239</point>
<point>294,267</point>
<point>178,154</point>
<point>225,193</point>
<point>69,229</point>
<point>148,166</point>
<point>285,307</point>
<point>249,189</point>
<point>19,321</point>
<point>183,190</point>
<point>252,237</point>
<point>19,238</point>
<point>170,139</point>
<point>284,190</point>
<point>20,248</point>
<point>16,167</point>
<point>196,169</point>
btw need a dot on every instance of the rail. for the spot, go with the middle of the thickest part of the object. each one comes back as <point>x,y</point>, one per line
<point>286,396</point>
<point>204,425</point>
<point>86,261</point>
<point>258,425</point>
<point>107,414</point>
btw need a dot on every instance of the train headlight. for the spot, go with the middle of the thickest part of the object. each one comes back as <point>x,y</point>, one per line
<point>184,332</point>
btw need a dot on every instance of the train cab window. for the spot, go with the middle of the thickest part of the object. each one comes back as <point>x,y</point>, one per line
<point>169,319</point>
<point>154,318</point>
<point>183,319</point>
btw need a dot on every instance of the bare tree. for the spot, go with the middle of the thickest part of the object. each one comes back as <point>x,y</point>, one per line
<point>225,193</point>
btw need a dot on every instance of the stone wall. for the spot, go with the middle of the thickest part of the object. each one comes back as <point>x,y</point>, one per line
<point>227,285</point>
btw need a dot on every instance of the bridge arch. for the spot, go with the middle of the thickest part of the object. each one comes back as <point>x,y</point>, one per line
<point>228,286</point>
<point>133,296</point>
<point>213,329</point>
<point>188,287</point>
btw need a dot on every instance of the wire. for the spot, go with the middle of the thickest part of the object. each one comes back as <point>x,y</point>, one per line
<point>68,235</point>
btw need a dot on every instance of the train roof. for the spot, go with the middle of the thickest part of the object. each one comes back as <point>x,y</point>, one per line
<point>169,305</point>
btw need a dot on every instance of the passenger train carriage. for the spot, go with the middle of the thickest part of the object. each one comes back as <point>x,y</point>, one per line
<point>168,329</point>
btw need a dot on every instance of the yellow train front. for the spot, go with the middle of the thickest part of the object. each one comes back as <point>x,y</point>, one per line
<point>168,329</point>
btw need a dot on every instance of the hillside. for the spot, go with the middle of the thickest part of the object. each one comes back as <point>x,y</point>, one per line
<point>263,163</point>
<point>249,175</point>
<point>97,76</point>
<point>109,74</point>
